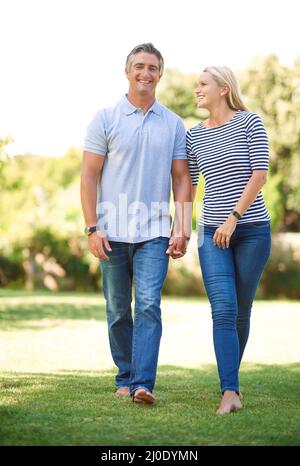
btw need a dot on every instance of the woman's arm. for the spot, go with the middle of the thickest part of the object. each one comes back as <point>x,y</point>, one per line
<point>223,233</point>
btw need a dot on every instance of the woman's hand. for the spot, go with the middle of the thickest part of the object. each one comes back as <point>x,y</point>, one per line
<point>224,232</point>
<point>177,246</point>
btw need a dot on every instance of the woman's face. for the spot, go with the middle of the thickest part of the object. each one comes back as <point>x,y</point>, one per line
<point>208,92</point>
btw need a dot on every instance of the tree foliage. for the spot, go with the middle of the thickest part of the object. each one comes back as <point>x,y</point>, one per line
<point>273,91</point>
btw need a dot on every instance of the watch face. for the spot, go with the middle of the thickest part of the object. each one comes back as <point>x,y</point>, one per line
<point>89,230</point>
<point>236,214</point>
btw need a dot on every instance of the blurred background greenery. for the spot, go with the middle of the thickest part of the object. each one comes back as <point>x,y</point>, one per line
<point>41,241</point>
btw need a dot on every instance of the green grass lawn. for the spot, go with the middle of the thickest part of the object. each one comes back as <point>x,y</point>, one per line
<point>56,405</point>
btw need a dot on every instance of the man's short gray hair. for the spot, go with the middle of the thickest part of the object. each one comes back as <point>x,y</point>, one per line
<point>147,48</point>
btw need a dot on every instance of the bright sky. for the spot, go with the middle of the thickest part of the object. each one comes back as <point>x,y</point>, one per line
<point>62,60</point>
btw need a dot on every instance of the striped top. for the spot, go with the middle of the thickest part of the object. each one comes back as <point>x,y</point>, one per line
<point>226,156</point>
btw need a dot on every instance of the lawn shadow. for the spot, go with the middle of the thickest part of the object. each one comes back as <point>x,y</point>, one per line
<point>80,408</point>
<point>14,316</point>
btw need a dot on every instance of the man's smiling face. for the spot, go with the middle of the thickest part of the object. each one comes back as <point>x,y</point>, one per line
<point>143,73</point>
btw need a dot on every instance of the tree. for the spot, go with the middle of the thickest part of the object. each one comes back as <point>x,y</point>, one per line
<point>4,157</point>
<point>273,91</point>
<point>176,91</point>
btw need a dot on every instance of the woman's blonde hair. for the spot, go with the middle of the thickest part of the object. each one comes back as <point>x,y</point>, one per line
<point>225,77</point>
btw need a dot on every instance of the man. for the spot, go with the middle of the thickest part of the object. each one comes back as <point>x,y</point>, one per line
<point>135,146</point>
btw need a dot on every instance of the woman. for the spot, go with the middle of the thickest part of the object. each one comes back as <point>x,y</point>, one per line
<point>230,149</point>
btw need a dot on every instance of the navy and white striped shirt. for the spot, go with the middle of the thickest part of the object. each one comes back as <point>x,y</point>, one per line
<point>226,156</point>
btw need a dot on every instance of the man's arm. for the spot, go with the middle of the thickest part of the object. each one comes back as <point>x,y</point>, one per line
<point>91,168</point>
<point>182,193</point>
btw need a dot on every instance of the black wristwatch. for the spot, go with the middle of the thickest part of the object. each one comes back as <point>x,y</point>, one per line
<point>236,214</point>
<point>89,230</point>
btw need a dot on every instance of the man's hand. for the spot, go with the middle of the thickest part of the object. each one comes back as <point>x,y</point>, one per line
<point>224,232</point>
<point>98,243</point>
<point>177,246</point>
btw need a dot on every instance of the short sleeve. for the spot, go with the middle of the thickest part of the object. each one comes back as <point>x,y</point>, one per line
<point>179,152</point>
<point>258,143</point>
<point>192,161</point>
<point>95,140</point>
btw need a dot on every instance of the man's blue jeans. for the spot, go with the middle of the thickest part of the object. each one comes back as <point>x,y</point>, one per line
<point>135,344</point>
<point>231,277</point>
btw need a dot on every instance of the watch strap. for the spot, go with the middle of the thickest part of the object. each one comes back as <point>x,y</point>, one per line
<point>236,214</point>
<point>89,230</point>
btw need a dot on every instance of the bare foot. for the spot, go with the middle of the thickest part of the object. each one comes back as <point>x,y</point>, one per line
<point>230,402</point>
<point>123,391</point>
<point>141,395</point>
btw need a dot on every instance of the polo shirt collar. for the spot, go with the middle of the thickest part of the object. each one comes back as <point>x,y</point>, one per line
<point>128,108</point>
<point>156,108</point>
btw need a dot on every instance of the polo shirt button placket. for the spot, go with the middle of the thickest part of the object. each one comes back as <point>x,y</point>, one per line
<point>143,130</point>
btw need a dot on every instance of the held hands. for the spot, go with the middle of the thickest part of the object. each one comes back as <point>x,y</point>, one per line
<point>98,243</point>
<point>224,232</point>
<point>177,246</point>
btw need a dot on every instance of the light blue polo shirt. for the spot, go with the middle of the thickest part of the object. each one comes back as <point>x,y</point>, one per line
<point>134,188</point>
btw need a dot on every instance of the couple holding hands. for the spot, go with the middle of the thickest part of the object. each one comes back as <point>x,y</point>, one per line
<point>132,151</point>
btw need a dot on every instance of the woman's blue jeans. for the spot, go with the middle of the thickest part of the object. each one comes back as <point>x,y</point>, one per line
<point>135,343</point>
<point>231,277</point>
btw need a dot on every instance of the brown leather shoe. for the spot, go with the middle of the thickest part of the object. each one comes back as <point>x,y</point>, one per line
<point>123,391</point>
<point>141,395</point>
